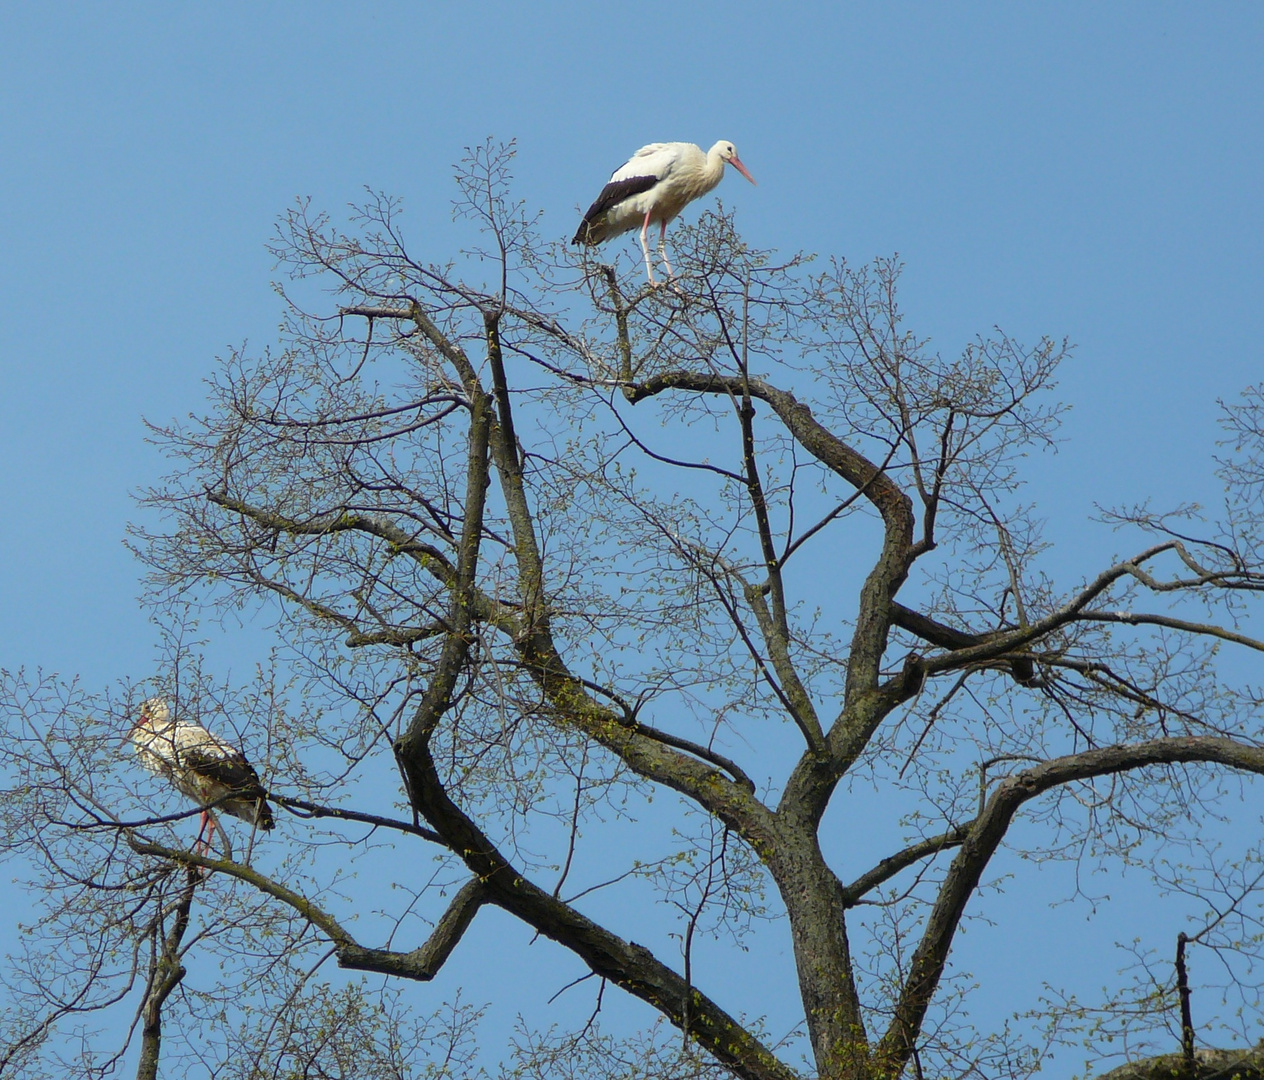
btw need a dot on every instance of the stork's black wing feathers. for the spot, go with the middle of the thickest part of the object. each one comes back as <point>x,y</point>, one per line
<point>614,192</point>
<point>233,771</point>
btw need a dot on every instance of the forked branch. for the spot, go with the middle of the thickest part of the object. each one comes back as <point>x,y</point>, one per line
<point>986,834</point>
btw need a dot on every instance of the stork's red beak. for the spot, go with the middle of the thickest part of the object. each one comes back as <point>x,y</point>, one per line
<point>741,168</point>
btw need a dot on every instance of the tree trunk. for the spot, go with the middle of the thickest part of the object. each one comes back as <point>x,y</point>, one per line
<point>815,903</point>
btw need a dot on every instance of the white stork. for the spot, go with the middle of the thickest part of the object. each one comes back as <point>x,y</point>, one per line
<point>201,766</point>
<point>655,184</point>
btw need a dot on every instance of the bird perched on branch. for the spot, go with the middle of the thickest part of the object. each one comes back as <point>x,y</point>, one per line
<point>655,184</point>
<point>202,766</point>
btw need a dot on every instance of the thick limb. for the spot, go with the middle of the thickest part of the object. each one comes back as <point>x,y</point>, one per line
<point>645,247</point>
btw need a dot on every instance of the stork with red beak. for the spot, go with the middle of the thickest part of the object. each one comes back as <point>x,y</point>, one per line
<point>655,184</point>
<point>202,766</point>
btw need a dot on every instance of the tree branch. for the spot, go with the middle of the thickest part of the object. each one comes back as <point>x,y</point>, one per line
<point>165,974</point>
<point>1142,619</point>
<point>424,962</point>
<point>629,965</point>
<point>315,915</point>
<point>893,864</point>
<point>985,836</point>
<point>421,964</point>
<point>316,810</point>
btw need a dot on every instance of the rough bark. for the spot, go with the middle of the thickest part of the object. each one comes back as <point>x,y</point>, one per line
<point>165,973</point>
<point>1209,1065</point>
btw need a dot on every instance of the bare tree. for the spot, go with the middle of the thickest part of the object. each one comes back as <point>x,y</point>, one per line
<point>541,546</point>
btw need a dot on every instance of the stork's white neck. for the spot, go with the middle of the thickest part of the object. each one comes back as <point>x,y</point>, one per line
<point>715,165</point>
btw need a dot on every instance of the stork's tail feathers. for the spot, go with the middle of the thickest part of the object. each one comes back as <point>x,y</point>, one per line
<point>251,806</point>
<point>589,232</point>
<point>263,815</point>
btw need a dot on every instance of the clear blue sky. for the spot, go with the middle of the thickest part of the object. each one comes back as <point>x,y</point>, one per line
<point>1079,169</point>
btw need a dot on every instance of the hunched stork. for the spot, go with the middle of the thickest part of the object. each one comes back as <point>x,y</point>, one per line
<point>655,184</point>
<point>202,766</point>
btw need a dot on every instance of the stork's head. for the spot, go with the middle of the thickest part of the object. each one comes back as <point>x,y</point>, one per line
<point>154,713</point>
<point>728,152</point>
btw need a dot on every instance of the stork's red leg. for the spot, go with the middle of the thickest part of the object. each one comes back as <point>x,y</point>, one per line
<point>645,247</point>
<point>200,846</point>
<point>225,845</point>
<point>662,248</point>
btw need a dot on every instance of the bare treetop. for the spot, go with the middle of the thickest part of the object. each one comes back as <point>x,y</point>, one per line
<point>542,545</point>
